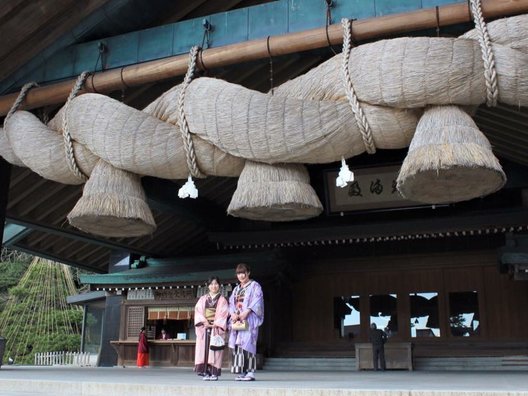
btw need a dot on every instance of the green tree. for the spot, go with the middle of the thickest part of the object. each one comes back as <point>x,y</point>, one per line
<point>13,265</point>
<point>36,317</point>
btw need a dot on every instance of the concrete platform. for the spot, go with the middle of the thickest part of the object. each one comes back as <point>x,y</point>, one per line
<point>59,381</point>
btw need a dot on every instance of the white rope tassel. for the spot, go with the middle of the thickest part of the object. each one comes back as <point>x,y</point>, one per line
<point>361,119</point>
<point>188,190</point>
<point>345,175</point>
<point>490,73</point>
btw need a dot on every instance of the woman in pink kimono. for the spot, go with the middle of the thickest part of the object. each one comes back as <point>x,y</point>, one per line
<point>246,304</point>
<point>210,318</point>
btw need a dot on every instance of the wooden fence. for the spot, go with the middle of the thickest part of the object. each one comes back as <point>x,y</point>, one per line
<point>63,359</point>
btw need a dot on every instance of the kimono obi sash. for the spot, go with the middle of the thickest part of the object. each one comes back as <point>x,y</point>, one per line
<point>210,314</point>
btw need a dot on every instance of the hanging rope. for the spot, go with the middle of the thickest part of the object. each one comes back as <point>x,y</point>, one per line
<point>184,126</point>
<point>328,22</point>
<point>206,38</point>
<point>437,21</point>
<point>20,98</point>
<point>490,73</point>
<point>68,142</point>
<point>44,115</point>
<point>361,119</point>
<point>125,86</point>
<point>272,88</point>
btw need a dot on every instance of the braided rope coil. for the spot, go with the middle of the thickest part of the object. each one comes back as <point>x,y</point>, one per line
<point>490,72</point>
<point>182,120</point>
<point>68,142</point>
<point>359,115</point>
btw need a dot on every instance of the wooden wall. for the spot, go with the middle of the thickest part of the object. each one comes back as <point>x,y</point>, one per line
<point>502,302</point>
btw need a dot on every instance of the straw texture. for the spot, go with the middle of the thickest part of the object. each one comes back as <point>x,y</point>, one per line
<point>135,141</point>
<point>511,32</point>
<point>449,160</point>
<point>40,148</point>
<point>112,205</point>
<point>307,120</point>
<point>279,192</point>
<point>6,151</point>
<point>415,72</point>
<point>276,129</point>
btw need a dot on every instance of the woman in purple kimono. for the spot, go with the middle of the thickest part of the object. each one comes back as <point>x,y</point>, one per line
<point>246,304</point>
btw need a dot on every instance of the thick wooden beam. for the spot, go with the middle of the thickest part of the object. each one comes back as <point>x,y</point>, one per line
<point>171,67</point>
<point>71,234</point>
<point>489,222</point>
<point>47,255</point>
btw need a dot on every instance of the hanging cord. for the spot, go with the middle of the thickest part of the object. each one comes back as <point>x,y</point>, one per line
<point>184,126</point>
<point>124,85</point>
<point>206,38</point>
<point>437,21</point>
<point>361,120</point>
<point>490,73</point>
<point>272,89</point>
<point>68,142</point>
<point>21,96</point>
<point>205,70</point>
<point>329,5</point>
<point>101,46</point>
<point>44,115</point>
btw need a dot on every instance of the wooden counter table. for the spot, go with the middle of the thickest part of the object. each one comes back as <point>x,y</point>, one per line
<point>161,352</point>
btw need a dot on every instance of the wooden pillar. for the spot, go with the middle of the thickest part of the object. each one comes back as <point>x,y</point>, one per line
<point>119,261</point>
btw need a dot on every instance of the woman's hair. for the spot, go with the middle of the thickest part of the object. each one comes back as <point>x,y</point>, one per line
<point>213,278</point>
<point>143,328</point>
<point>242,268</point>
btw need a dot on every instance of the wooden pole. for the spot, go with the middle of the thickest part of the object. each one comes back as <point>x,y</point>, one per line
<point>162,69</point>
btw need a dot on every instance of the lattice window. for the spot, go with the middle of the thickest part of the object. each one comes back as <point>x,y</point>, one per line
<point>172,313</point>
<point>136,320</point>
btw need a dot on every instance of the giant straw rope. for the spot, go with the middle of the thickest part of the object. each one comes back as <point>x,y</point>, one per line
<point>369,97</point>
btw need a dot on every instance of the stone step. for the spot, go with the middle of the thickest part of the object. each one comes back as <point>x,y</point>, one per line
<point>310,364</point>
<point>507,363</point>
<point>495,363</point>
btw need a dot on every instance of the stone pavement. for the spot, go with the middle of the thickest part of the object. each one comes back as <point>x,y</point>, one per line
<point>59,381</point>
